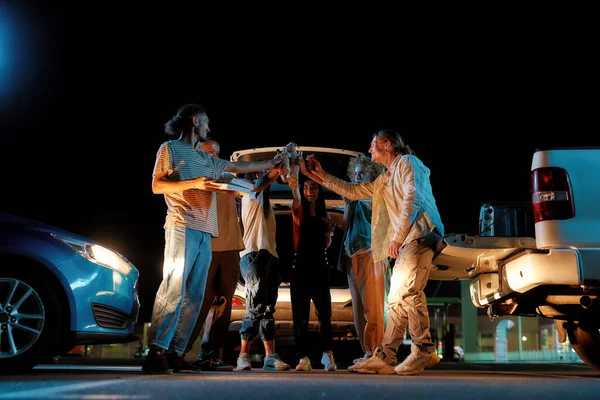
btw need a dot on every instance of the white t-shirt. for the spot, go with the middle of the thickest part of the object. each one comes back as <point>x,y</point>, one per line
<point>259,232</point>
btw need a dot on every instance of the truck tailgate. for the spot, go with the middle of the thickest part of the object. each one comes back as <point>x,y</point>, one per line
<point>463,256</point>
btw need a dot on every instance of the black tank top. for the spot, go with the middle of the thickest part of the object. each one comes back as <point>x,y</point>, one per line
<point>311,247</point>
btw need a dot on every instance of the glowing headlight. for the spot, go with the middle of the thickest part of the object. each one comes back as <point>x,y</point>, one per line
<point>98,254</point>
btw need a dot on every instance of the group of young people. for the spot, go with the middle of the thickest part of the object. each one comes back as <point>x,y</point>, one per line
<point>390,216</point>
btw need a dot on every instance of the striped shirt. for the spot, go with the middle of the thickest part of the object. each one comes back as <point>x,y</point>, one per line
<point>404,208</point>
<point>192,208</point>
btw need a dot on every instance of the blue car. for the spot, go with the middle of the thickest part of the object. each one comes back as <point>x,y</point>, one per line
<point>59,290</point>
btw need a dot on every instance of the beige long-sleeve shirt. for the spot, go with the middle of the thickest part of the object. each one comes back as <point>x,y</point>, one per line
<point>404,208</point>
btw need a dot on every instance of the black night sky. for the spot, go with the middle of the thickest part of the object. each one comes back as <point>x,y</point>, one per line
<point>83,100</point>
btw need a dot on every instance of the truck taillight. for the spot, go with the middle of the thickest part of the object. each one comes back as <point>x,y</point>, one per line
<point>238,302</point>
<point>552,197</point>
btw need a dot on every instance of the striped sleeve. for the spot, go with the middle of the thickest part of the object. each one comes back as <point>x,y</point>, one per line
<point>163,160</point>
<point>220,165</point>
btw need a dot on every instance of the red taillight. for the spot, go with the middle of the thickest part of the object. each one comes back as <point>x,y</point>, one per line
<point>551,196</point>
<point>237,302</point>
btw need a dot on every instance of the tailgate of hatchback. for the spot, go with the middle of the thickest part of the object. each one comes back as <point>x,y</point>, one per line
<point>462,256</point>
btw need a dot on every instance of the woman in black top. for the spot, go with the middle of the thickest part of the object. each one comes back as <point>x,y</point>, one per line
<point>313,229</point>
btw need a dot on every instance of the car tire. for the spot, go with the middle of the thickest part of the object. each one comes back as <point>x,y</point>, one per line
<point>27,342</point>
<point>585,340</point>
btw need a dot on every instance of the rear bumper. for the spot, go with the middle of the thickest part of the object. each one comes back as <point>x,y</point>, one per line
<point>525,271</point>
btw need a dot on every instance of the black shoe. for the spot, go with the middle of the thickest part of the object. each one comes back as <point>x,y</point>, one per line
<point>156,363</point>
<point>203,364</point>
<point>218,365</point>
<point>212,364</point>
<point>179,365</point>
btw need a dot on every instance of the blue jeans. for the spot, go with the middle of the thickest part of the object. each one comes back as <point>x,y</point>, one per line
<point>179,297</point>
<point>261,274</point>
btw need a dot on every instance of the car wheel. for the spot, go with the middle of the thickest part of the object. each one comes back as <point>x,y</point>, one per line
<point>585,340</point>
<point>29,322</point>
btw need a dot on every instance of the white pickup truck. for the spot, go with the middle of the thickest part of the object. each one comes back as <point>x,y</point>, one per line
<point>554,272</point>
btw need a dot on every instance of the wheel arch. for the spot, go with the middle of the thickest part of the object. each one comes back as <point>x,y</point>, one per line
<point>585,340</point>
<point>66,337</point>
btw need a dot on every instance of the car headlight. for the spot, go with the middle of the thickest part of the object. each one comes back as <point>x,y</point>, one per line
<point>98,254</point>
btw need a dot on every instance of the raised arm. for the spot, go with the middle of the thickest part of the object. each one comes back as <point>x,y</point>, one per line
<point>261,183</point>
<point>305,171</point>
<point>352,191</point>
<point>251,166</point>
<point>297,200</point>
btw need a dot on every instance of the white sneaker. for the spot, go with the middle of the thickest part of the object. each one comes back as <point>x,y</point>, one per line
<point>243,362</point>
<point>327,361</point>
<point>304,364</point>
<point>274,363</point>
<point>375,365</point>
<point>416,362</point>
<point>434,359</point>
<point>359,360</point>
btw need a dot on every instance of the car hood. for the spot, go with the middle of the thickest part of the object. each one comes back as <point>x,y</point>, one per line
<point>27,224</point>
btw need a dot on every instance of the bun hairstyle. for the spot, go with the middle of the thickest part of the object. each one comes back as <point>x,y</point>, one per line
<point>396,140</point>
<point>182,121</point>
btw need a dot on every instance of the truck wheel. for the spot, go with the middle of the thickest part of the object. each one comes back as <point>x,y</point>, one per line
<point>586,343</point>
